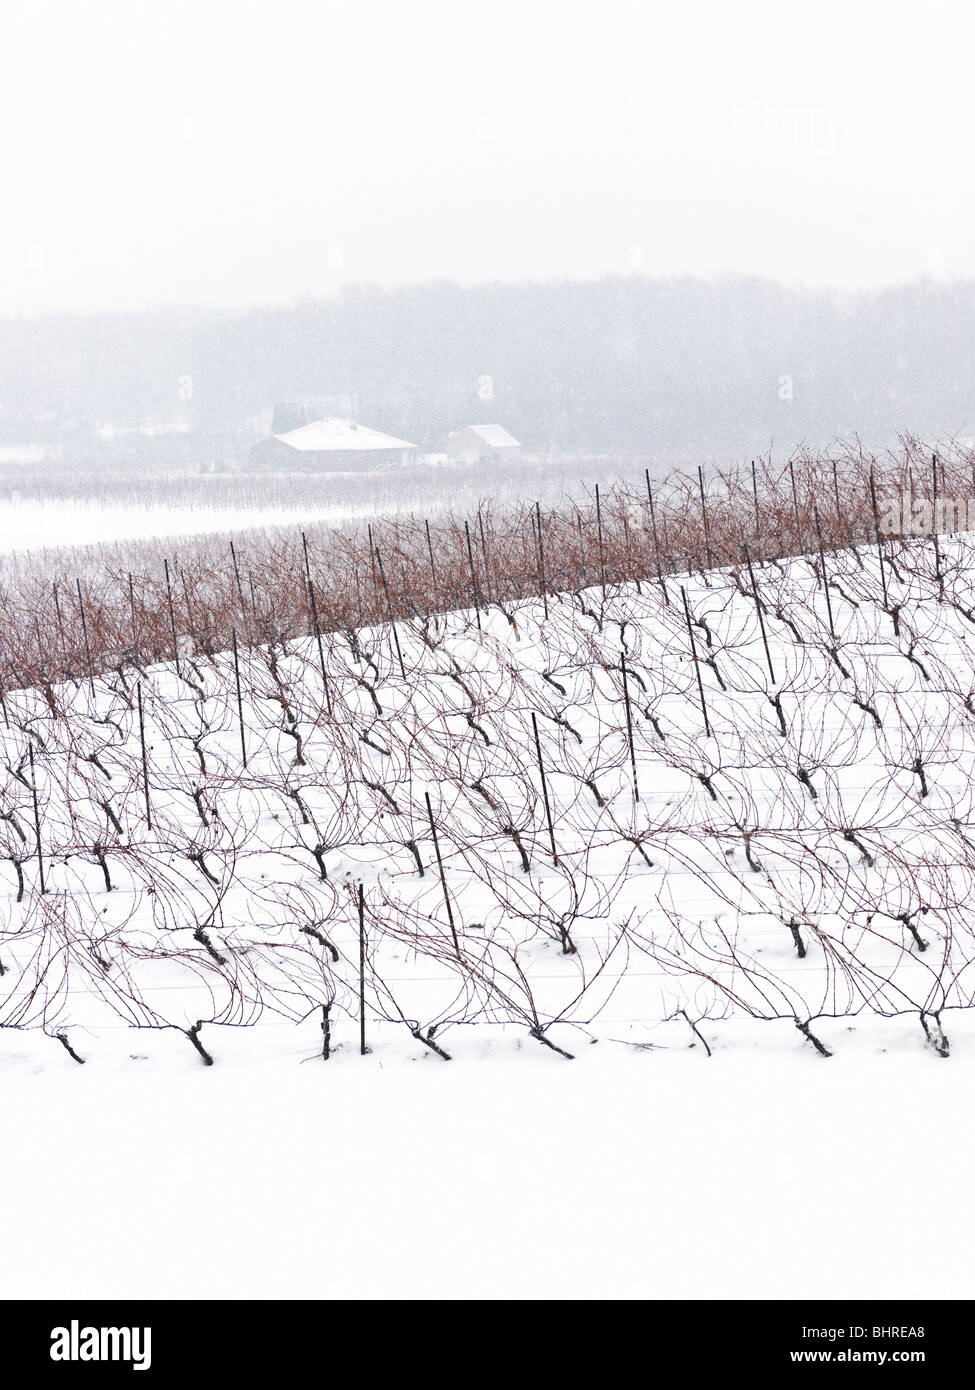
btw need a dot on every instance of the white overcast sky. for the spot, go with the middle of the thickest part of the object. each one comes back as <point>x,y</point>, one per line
<point>232,154</point>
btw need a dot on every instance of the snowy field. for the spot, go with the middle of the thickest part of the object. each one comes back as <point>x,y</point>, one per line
<point>764,1173</point>
<point>48,504</point>
<point>694,851</point>
<point>35,524</point>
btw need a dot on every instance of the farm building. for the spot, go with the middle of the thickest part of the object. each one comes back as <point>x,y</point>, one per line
<point>331,446</point>
<point>483,444</point>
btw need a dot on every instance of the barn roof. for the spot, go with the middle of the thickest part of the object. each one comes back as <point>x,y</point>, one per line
<point>339,436</point>
<point>494,436</point>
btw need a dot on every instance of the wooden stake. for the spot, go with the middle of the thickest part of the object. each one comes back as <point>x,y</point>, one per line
<point>37,814</point>
<point>389,605</point>
<point>487,568</point>
<point>697,665</point>
<point>433,568</point>
<point>758,607</point>
<point>64,644</point>
<point>795,503</point>
<point>629,726</point>
<point>934,520</point>
<point>541,558</point>
<point>315,624</point>
<point>470,558</point>
<point>135,625</point>
<point>880,548</point>
<point>304,547</point>
<point>822,564</point>
<point>704,516</point>
<point>656,540</point>
<point>443,879</point>
<point>250,581</point>
<point>541,773</point>
<point>84,629</point>
<point>372,562</point>
<point>758,524</point>
<point>599,533</point>
<point>172,616</point>
<point>145,759</point>
<point>321,652</point>
<point>240,587</point>
<point>240,702</point>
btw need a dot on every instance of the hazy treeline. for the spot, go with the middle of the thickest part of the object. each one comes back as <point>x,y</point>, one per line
<point>625,363</point>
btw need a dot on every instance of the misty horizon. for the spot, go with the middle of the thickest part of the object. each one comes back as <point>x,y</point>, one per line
<point>625,364</point>
<point>836,294</point>
<point>235,156</point>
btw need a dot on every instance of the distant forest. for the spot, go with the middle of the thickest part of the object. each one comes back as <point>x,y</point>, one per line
<point>625,364</point>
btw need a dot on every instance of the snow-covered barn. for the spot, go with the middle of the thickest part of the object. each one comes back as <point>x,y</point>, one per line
<point>483,444</point>
<point>331,446</point>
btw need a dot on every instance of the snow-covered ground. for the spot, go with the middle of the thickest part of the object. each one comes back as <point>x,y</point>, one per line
<point>794,877</point>
<point>33,524</point>
<point>766,1172</point>
<point>46,504</point>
